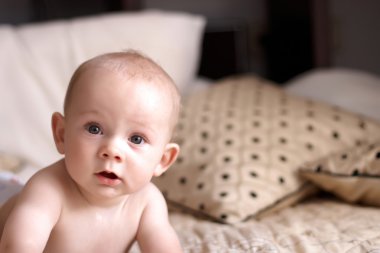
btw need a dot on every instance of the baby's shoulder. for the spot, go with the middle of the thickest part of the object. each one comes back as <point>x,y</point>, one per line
<point>154,206</point>
<point>150,191</point>
<point>49,181</point>
<point>42,195</point>
<point>152,197</point>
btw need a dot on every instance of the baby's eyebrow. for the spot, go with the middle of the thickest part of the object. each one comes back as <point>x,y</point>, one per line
<point>138,124</point>
<point>92,111</point>
<point>143,127</point>
<point>89,112</point>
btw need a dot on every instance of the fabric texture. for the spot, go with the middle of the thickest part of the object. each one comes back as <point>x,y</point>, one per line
<point>352,174</point>
<point>242,141</point>
<point>10,163</point>
<point>10,183</point>
<point>314,226</point>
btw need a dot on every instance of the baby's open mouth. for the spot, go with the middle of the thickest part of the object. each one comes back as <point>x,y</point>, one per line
<point>108,178</point>
<point>109,175</point>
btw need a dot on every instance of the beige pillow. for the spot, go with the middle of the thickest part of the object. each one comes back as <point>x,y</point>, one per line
<point>352,174</point>
<point>10,163</point>
<point>10,184</point>
<point>242,142</point>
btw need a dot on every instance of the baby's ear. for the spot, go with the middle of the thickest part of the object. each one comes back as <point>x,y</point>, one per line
<point>168,158</point>
<point>58,128</point>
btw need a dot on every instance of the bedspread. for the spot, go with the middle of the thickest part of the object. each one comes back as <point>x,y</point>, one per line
<point>319,225</point>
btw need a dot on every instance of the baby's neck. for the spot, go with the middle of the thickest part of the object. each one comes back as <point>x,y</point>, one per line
<point>100,201</point>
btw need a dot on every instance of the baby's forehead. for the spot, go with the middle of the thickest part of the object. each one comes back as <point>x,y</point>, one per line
<point>130,68</point>
<point>105,81</point>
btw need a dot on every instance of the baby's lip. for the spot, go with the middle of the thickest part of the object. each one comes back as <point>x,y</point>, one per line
<point>108,178</point>
<point>108,174</point>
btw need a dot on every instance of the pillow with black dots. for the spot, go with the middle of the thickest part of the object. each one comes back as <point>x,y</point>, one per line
<point>242,142</point>
<point>352,174</point>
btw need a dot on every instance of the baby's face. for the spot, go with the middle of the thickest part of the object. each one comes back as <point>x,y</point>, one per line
<point>115,132</point>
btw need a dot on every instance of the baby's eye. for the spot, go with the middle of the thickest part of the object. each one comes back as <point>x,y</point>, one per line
<point>93,129</point>
<point>136,139</point>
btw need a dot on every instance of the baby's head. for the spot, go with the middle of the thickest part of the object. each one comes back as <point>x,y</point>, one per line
<point>131,67</point>
<point>119,113</point>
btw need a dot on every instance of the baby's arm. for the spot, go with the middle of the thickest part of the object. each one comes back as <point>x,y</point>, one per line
<point>155,233</point>
<point>29,224</point>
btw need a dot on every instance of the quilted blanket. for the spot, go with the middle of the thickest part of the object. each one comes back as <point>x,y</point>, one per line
<point>319,225</point>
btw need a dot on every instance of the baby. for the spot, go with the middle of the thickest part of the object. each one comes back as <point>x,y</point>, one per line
<point>119,113</point>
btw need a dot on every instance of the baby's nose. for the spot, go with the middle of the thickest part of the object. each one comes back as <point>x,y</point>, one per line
<point>109,155</point>
<point>111,152</point>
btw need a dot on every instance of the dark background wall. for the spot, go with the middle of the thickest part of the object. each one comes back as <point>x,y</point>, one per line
<point>274,38</point>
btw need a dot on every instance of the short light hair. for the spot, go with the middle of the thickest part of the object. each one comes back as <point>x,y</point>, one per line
<point>131,65</point>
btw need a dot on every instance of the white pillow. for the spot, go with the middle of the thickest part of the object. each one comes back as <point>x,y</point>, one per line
<point>171,39</point>
<point>354,90</point>
<point>37,60</point>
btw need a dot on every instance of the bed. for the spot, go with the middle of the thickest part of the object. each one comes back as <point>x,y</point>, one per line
<point>263,167</point>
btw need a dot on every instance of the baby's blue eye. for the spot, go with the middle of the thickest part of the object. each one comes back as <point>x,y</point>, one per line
<point>136,139</point>
<point>94,129</point>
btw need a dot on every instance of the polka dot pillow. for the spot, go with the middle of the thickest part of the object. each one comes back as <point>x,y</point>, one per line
<point>242,142</point>
<point>352,174</point>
